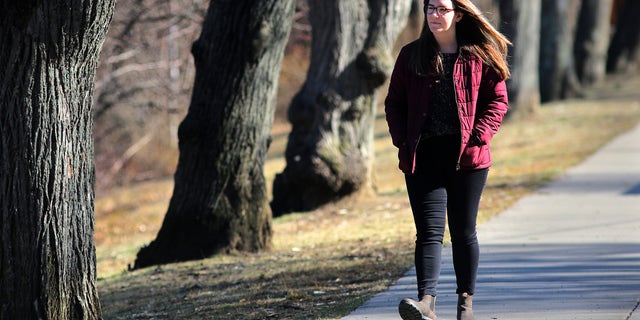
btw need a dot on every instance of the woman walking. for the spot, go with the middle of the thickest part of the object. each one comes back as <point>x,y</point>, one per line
<point>447,98</point>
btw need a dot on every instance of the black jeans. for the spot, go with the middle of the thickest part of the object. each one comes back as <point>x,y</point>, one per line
<point>437,191</point>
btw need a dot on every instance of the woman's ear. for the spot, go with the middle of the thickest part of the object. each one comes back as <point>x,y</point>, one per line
<point>458,16</point>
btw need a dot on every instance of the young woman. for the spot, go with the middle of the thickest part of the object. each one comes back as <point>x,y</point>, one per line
<point>447,98</point>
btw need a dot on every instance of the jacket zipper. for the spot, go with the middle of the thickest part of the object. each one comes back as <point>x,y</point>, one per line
<point>413,154</point>
<point>455,92</point>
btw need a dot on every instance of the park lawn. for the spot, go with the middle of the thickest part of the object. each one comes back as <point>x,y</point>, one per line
<point>327,262</point>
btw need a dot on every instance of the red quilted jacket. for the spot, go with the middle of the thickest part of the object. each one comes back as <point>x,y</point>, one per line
<point>482,102</point>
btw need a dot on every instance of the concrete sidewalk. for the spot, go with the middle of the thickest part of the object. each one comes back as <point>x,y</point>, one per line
<point>569,251</point>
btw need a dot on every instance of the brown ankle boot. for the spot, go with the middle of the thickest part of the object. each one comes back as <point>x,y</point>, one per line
<point>425,309</point>
<point>465,304</point>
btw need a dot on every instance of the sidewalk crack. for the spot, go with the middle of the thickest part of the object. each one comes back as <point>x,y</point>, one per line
<point>633,310</point>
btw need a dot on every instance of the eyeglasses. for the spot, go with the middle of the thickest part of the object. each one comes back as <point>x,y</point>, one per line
<point>440,10</point>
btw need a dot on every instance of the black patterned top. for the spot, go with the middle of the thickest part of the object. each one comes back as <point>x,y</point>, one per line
<point>442,117</point>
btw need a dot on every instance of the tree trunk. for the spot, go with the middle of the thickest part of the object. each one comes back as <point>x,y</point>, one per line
<point>220,202</point>
<point>521,23</point>
<point>558,79</point>
<point>624,51</point>
<point>413,27</point>
<point>330,147</point>
<point>592,40</point>
<point>490,9</point>
<point>50,50</point>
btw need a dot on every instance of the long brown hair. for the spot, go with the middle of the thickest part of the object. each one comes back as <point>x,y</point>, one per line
<point>475,36</point>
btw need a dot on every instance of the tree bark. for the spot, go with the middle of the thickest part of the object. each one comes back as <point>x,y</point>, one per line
<point>220,202</point>
<point>50,50</point>
<point>521,24</point>
<point>592,40</point>
<point>558,79</point>
<point>624,51</point>
<point>330,147</point>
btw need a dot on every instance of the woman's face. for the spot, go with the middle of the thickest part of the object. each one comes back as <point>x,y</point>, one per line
<point>440,16</point>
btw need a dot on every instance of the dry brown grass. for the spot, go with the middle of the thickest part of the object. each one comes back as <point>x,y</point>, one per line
<point>327,262</point>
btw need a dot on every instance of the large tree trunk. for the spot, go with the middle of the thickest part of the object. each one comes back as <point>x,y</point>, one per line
<point>220,202</point>
<point>521,23</point>
<point>592,40</point>
<point>330,147</point>
<point>50,51</point>
<point>624,51</point>
<point>558,79</point>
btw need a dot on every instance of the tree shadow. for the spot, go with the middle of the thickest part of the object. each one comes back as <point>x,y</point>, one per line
<point>635,190</point>
<point>554,281</point>
<point>540,281</point>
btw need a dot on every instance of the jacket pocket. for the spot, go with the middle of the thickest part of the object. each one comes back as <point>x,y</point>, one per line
<point>405,161</point>
<point>476,156</point>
